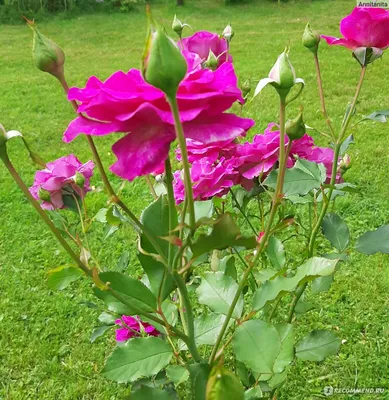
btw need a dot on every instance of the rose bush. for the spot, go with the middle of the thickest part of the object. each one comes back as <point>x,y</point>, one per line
<point>217,279</point>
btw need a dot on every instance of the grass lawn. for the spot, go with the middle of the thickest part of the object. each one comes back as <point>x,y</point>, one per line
<point>45,351</point>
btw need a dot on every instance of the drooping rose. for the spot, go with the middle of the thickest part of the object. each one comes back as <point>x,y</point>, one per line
<point>132,327</point>
<point>65,176</point>
<point>202,42</point>
<point>126,103</point>
<point>364,27</point>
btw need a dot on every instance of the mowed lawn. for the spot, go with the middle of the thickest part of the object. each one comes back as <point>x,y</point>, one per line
<point>45,349</point>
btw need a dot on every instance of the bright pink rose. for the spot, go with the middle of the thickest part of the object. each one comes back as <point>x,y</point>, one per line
<point>209,179</point>
<point>133,326</point>
<point>201,43</point>
<point>364,27</point>
<point>212,151</point>
<point>59,179</point>
<point>126,103</point>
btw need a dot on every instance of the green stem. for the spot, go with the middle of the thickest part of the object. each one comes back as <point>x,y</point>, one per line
<point>185,162</point>
<point>8,164</point>
<point>315,230</point>
<point>172,207</point>
<point>243,213</point>
<point>275,203</point>
<point>321,95</point>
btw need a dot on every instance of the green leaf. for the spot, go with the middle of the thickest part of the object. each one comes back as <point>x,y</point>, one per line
<point>217,291</point>
<point>286,354</point>
<point>379,116</point>
<point>107,319</point>
<point>177,374</point>
<point>131,290</point>
<point>312,268</point>
<point>139,357</point>
<point>299,180</point>
<point>276,252</point>
<point>149,393</point>
<point>225,233</point>
<point>257,344</point>
<point>346,143</point>
<point>169,309</point>
<point>318,345</point>
<point>101,215</point>
<point>61,277</point>
<point>203,209</point>
<point>207,328</point>
<point>336,231</point>
<point>199,373</point>
<point>123,261</point>
<point>322,284</point>
<point>99,331</point>
<point>224,385</point>
<point>155,218</point>
<point>111,218</point>
<point>303,307</point>
<point>374,241</point>
<point>253,393</point>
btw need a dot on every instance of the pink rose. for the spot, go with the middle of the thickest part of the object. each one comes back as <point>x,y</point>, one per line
<point>133,326</point>
<point>126,103</point>
<point>364,27</point>
<point>208,179</point>
<point>201,43</point>
<point>60,178</point>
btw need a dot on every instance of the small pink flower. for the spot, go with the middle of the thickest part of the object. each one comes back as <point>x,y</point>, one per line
<point>59,178</point>
<point>201,43</point>
<point>132,327</point>
<point>260,236</point>
<point>364,27</point>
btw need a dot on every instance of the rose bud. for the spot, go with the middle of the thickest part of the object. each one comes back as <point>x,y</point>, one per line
<point>246,88</point>
<point>177,26</point>
<point>211,61</point>
<point>79,180</point>
<point>228,33</point>
<point>44,195</point>
<point>163,65</point>
<point>311,38</point>
<point>295,128</point>
<point>48,56</point>
<point>345,164</point>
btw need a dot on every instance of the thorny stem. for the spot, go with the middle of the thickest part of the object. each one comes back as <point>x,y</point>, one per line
<point>276,201</point>
<point>315,230</point>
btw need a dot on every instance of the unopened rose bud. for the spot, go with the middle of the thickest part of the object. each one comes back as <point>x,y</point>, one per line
<point>295,128</point>
<point>163,65</point>
<point>311,38</point>
<point>211,61</point>
<point>246,88</point>
<point>177,26</point>
<point>228,33</point>
<point>44,195</point>
<point>345,164</point>
<point>79,180</point>
<point>283,72</point>
<point>48,56</point>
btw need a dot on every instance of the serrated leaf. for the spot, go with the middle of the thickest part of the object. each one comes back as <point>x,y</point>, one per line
<point>225,233</point>
<point>318,345</point>
<point>299,180</point>
<point>139,357</point>
<point>276,252</point>
<point>150,393</point>
<point>336,231</point>
<point>107,319</point>
<point>99,331</point>
<point>217,291</point>
<point>303,307</point>
<point>223,385</point>
<point>61,277</point>
<point>311,269</point>
<point>257,344</point>
<point>177,374</point>
<point>253,393</point>
<point>374,241</point>
<point>155,218</point>
<point>322,284</point>
<point>199,373</point>
<point>286,354</point>
<point>131,290</point>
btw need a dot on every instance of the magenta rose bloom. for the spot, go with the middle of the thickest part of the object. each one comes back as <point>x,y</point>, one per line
<point>64,176</point>
<point>201,43</point>
<point>132,327</point>
<point>209,179</point>
<point>126,103</point>
<point>364,27</point>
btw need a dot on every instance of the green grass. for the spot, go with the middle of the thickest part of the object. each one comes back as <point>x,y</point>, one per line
<point>44,336</point>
